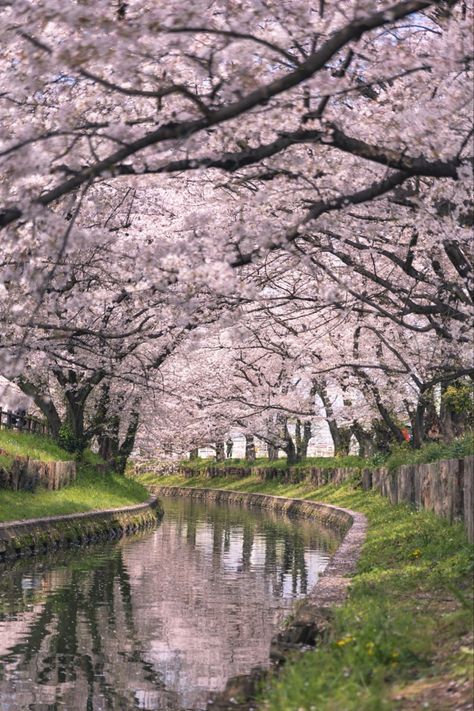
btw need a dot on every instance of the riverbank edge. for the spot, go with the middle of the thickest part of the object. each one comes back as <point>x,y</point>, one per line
<point>310,618</point>
<point>36,536</point>
<point>331,588</point>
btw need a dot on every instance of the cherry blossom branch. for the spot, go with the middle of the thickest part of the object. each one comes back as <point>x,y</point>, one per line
<point>233,34</point>
<point>332,138</point>
<point>351,32</point>
<point>324,206</point>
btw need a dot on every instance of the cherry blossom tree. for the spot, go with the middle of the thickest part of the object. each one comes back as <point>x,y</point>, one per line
<point>260,210</point>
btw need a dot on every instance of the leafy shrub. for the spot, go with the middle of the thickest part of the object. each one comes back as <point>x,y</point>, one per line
<point>69,441</point>
<point>431,452</point>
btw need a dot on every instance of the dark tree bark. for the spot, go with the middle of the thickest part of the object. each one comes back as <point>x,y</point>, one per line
<point>364,439</point>
<point>70,432</point>
<point>302,437</point>
<point>290,451</point>
<point>105,426</point>
<point>43,403</point>
<point>113,451</point>
<point>272,451</point>
<point>288,445</point>
<point>220,450</point>
<point>391,425</point>
<point>107,447</point>
<point>425,421</point>
<point>76,391</point>
<point>418,424</point>
<point>341,436</point>
<point>343,441</point>
<point>454,421</point>
<point>74,439</point>
<point>250,453</point>
<point>128,443</point>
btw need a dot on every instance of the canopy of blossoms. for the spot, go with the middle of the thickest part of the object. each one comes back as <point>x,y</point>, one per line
<point>247,215</point>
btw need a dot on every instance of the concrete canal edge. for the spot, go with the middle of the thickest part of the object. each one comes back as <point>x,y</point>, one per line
<point>331,588</point>
<point>34,536</point>
<point>311,618</point>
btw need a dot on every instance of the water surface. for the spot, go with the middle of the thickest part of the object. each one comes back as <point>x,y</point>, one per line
<point>156,621</point>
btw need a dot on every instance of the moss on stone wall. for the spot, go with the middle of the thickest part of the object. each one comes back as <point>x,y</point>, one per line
<point>40,535</point>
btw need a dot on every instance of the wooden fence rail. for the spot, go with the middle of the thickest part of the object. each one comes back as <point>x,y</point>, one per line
<point>23,422</point>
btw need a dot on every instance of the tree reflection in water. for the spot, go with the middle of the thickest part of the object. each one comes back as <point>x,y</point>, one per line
<point>156,621</point>
<point>80,649</point>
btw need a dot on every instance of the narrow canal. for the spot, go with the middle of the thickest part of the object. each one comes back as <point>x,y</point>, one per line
<point>155,621</point>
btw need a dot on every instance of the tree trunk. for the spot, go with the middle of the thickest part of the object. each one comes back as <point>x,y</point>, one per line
<point>76,392</point>
<point>302,439</point>
<point>229,446</point>
<point>418,426</point>
<point>126,448</point>
<point>394,429</point>
<point>454,421</point>
<point>432,425</point>
<point>250,448</point>
<point>43,403</point>
<point>272,451</point>
<point>107,450</point>
<point>194,454</point>
<point>220,450</point>
<point>382,436</point>
<point>108,438</point>
<point>450,427</point>
<point>71,435</point>
<point>364,440</point>
<point>425,422</point>
<point>290,450</point>
<point>289,445</point>
<point>340,436</point>
<point>343,440</point>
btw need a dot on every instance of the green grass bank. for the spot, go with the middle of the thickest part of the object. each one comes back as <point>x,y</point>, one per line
<point>17,444</point>
<point>403,639</point>
<point>90,491</point>
<point>399,455</point>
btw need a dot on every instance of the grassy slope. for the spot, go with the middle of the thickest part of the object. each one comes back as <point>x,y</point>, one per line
<point>404,637</point>
<point>15,444</point>
<point>322,462</point>
<point>89,491</point>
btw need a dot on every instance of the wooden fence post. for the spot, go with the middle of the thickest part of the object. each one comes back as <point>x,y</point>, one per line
<point>468,491</point>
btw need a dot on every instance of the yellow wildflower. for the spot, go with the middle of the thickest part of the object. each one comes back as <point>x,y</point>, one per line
<point>345,640</point>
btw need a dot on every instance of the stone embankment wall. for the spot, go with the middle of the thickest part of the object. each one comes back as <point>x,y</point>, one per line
<point>445,487</point>
<point>332,586</point>
<point>33,536</point>
<point>26,474</point>
<point>332,516</point>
